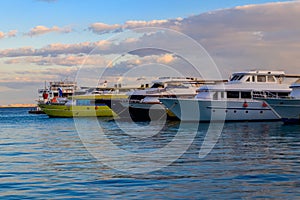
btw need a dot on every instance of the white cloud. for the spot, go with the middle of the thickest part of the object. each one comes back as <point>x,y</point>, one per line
<point>11,33</point>
<point>99,27</point>
<point>39,30</point>
<point>166,59</point>
<point>255,35</point>
<point>137,24</point>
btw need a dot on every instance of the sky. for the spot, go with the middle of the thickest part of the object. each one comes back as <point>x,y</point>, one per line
<point>49,40</point>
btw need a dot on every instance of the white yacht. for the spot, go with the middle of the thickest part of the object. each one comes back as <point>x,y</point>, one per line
<point>56,91</point>
<point>144,105</point>
<point>288,108</point>
<point>232,101</point>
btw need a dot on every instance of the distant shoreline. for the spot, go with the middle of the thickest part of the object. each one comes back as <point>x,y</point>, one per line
<point>18,106</point>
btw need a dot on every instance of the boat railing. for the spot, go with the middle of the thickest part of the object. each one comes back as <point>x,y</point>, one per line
<point>264,94</point>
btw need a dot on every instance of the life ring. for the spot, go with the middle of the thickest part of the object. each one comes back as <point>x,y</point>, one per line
<point>96,107</point>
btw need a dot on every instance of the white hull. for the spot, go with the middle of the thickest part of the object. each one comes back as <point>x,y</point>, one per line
<point>286,108</point>
<point>207,110</point>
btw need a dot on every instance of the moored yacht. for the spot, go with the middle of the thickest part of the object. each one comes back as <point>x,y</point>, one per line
<point>144,105</point>
<point>95,103</point>
<point>56,91</point>
<point>82,106</point>
<point>232,101</point>
<point>288,108</point>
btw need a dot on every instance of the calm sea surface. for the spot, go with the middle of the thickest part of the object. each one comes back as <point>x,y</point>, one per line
<point>46,158</point>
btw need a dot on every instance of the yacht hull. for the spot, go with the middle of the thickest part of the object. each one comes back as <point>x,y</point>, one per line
<point>232,110</point>
<point>288,109</point>
<point>141,111</point>
<point>77,111</point>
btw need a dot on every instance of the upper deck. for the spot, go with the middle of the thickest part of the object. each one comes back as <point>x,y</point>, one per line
<point>258,76</point>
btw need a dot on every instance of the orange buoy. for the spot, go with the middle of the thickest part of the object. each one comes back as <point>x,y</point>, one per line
<point>245,104</point>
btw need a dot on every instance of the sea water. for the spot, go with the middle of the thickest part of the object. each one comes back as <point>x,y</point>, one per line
<point>52,158</point>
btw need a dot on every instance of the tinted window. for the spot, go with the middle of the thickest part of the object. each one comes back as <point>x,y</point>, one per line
<point>246,95</point>
<point>232,94</point>
<point>261,78</point>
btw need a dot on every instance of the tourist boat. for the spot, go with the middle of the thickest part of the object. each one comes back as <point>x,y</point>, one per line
<point>56,92</point>
<point>234,100</point>
<point>95,103</point>
<point>144,105</point>
<point>83,101</point>
<point>288,108</point>
<point>56,89</point>
<point>82,106</point>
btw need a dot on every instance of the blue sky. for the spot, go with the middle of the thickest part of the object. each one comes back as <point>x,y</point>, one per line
<point>63,12</point>
<point>43,40</point>
<point>22,15</point>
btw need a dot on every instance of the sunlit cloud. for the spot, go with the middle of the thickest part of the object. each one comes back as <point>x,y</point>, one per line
<point>166,59</point>
<point>254,35</point>
<point>11,33</point>
<point>40,30</point>
<point>99,27</point>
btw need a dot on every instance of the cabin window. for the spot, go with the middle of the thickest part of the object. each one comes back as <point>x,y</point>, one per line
<point>233,78</point>
<point>261,78</point>
<point>215,96</point>
<point>222,95</point>
<point>253,78</point>
<point>233,94</point>
<point>237,77</point>
<point>271,79</point>
<point>283,94</point>
<point>246,95</point>
<point>157,85</point>
<point>248,79</point>
<point>83,102</point>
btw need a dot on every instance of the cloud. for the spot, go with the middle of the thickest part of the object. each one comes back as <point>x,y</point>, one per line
<point>11,33</point>
<point>137,24</point>
<point>102,28</point>
<point>259,36</point>
<point>2,35</point>
<point>55,49</point>
<point>40,30</point>
<point>166,59</point>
